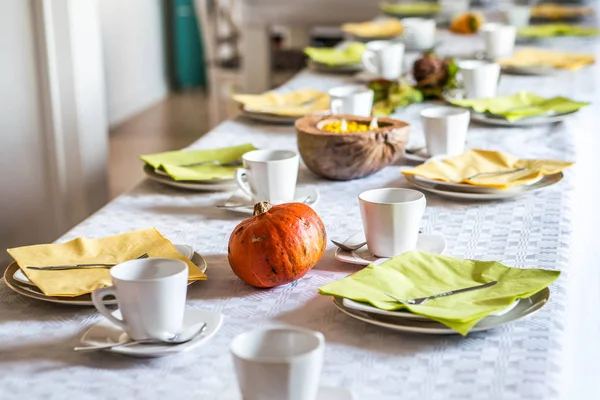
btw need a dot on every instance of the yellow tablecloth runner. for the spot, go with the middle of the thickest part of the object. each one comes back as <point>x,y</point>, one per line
<point>532,57</point>
<point>293,104</point>
<point>111,249</point>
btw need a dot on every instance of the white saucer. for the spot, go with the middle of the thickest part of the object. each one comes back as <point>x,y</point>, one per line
<point>201,186</point>
<point>336,69</point>
<point>525,122</point>
<point>105,332</point>
<point>430,243</point>
<point>324,393</point>
<point>420,155</point>
<point>239,202</point>
<point>183,249</point>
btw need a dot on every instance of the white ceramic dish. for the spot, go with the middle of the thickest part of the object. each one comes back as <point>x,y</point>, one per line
<point>534,71</point>
<point>337,69</point>
<point>105,332</point>
<point>239,202</point>
<point>449,192</point>
<point>525,122</point>
<point>201,186</point>
<point>208,182</point>
<point>431,243</point>
<point>31,291</point>
<point>523,308</point>
<point>417,155</point>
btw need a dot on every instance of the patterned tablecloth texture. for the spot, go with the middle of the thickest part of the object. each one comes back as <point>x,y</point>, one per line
<point>518,361</point>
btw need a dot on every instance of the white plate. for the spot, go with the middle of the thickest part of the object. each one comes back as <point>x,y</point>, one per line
<point>524,307</point>
<point>531,121</point>
<point>337,69</point>
<point>239,202</point>
<point>418,155</point>
<point>205,181</point>
<point>430,243</point>
<point>324,393</point>
<point>105,332</point>
<point>355,305</point>
<point>532,70</point>
<point>445,191</point>
<point>33,292</point>
<point>188,185</point>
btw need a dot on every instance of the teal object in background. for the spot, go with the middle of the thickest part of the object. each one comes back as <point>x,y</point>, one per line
<point>187,54</point>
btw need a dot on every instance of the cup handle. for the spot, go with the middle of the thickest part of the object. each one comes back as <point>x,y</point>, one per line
<point>242,181</point>
<point>368,59</point>
<point>98,296</point>
<point>336,106</point>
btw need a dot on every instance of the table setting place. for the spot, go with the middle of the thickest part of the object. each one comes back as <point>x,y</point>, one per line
<point>408,202</point>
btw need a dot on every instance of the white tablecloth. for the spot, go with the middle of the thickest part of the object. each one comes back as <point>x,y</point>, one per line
<point>529,359</point>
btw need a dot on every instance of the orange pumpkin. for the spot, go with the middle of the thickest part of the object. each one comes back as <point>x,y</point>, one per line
<point>467,23</point>
<point>277,245</point>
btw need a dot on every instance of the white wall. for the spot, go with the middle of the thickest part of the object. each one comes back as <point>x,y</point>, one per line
<point>135,66</point>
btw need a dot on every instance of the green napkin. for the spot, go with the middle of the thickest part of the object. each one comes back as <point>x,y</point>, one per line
<point>414,8</point>
<point>550,30</point>
<point>350,54</point>
<point>520,105</point>
<point>417,274</point>
<point>171,162</point>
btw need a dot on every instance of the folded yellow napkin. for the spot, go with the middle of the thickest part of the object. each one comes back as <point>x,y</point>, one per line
<point>112,249</point>
<point>546,58</point>
<point>292,104</point>
<point>551,30</point>
<point>374,29</point>
<point>458,169</point>
<point>417,274</point>
<point>521,105</point>
<point>409,9</point>
<point>350,54</point>
<point>559,11</point>
<point>171,162</point>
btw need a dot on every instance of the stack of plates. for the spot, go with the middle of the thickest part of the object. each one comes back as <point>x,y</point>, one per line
<point>16,280</point>
<point>212,185</point>
<point>405,321</point>
<point>472,192</point>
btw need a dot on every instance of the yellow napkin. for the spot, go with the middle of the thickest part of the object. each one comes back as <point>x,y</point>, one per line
<point>374,29</point>
<point>350,54</point>
<point>112,249</point>
<point>410,9</point>
<point>292,104</point>
<point>547,58</point>
<point>459,168</point>
<point>559,11</point>
<point>171,162</point>
<point>521,105</point>
<point>417,274</point>
<point>551,30</point>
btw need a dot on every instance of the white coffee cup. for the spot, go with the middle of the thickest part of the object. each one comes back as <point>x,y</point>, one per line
<point>516,15</point>
<point>445,130</point>
<point>499,40</point>
<point>384,58</point>
<point>151,296</point>
<point>351,99</point>
<point>269,175</point>
<point>419,33</point>
<point>281,363</point>
<point>451,8</point>
<point>391,219</point>
<point>479,78</point>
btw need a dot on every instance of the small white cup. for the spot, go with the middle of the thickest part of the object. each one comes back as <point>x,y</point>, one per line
<point>384,58</point>
<point>269,175</point>
<point>278,363</point>
<point>479,78</point>
<point>151,296</point>
<point>451,8</point>
<point>499,40</point>
<point>351,99</point>
<point>516,15</point>
<point>391,219</point>
<point>445,130</point>
<point>419,33</point>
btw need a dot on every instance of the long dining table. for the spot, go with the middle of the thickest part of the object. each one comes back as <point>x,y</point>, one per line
<point>549,355</point>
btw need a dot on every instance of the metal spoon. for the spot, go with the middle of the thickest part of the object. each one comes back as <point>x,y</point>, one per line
<point>182,337</point>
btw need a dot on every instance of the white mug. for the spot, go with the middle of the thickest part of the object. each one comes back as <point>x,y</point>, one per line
<point>269,175</point>
<point>384,58</point>
<point>419,33</point>
<point>445,130</point>
<point>479,78</point>
<point>516,15</point>
<point>351,99</point>
<point>451,8</point>
<point>499,40</point>
<point>280,363</point>
<point>151,296</point>
<point>391,219</point>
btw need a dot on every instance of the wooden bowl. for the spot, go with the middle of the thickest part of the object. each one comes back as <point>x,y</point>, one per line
<point>345,156</point>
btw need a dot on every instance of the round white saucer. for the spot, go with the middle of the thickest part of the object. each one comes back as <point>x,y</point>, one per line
<point>417,155</point>
<point>105,332</point>
<point>324,393</point>
<point>239,202</point>
<point>430,243</point>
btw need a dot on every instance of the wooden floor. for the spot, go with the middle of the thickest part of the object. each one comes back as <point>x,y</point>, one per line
<point>169,125</point>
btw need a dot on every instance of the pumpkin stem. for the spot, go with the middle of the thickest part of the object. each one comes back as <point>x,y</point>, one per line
<point>261,208</point>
